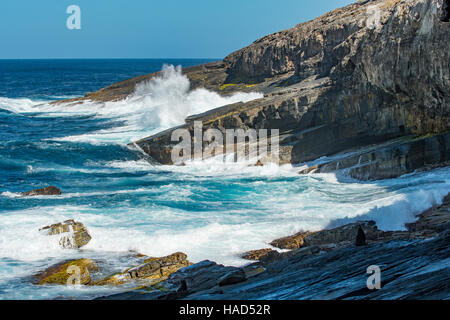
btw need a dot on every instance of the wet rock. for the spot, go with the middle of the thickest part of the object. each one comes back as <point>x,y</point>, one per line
<point>274,256</point>
<point>74,234</point>
<point>152,270</point>
<point>47,191</point>
<point>233,277</point>
<point>360,238</point>
<point>204,275</point>
<point>341,235</point>
<point>309,170</point>
<point>259,164</point>
<point>393,159</point>
<point>61,272</point>
<point>445,11</point>
<point>432,221</point>
<point>291,242</point>
<point>270,257</point>
<point>256,254</point>
<point>346,233</point>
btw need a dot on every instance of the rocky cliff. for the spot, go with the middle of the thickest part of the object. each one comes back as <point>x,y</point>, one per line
<point>363,74</point>
<point>369,72</point>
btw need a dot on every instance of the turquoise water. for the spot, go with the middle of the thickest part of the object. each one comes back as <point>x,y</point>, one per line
<point>209,210</point>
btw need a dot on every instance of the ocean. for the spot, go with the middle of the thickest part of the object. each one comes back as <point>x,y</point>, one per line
<point>207,209</point>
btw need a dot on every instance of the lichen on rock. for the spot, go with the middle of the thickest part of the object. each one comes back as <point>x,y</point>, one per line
<point>61,272</point>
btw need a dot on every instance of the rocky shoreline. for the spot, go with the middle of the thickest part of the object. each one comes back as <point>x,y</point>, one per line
<point>348,82</point>
<point>415,264</point>
<point>350,89</point>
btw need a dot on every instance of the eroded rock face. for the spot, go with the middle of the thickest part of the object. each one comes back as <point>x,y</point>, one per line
<point>393,160</point>
<point>346,233</point>
<point>74,234</point>
<point>47,191</point>
<point>363,74</point>
<point>60,273</point>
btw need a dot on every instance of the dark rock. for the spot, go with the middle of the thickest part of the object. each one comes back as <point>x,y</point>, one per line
<point>47,191</point>
<point>183,287</point>
<point>360,238</point>
<point>270,257</point>
<point>393,159</point>
<point>445,11</point>
<point>233,277</point>
<point>74,234</point>
<point>414,269</point>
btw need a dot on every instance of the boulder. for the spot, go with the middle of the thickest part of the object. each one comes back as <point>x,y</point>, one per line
<point>153,270</point>
<point>47,191</point>
<point>291,242</point>
<point>61,272</point>
<point>256,254</point>
<point>74,234</point>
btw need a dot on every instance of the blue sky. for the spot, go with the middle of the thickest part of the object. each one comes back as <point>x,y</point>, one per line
<point>146,28</point>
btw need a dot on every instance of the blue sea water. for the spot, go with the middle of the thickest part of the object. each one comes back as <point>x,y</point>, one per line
<point>208,209</point>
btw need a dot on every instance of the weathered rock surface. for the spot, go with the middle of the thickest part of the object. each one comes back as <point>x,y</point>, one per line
<point>390,160</point>
<point>152,270</point>
<point>203,276</point>
<point>74,234</point>
<point>366,73</point>
<point>346,233</point>
<point>363,74</point>
<point>47,191</point>
<point>60,273</point>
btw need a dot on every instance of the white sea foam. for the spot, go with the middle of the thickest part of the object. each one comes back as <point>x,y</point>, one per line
<point>261,211</point>
<point>157,104</point>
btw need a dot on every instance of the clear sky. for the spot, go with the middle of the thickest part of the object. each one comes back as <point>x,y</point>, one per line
<point>146,28</point>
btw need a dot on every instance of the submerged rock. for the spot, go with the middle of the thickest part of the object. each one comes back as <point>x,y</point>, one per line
<point>61,272</point>
<point>47,191</point>
<point>74,234</point>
